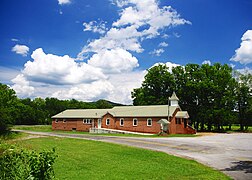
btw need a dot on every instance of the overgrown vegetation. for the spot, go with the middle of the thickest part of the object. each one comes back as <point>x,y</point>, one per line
<point>214,95</point>
<point>19,163</point>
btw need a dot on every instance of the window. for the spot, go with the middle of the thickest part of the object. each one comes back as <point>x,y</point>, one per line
<point>107,121</point>
<point>87,121</point>
<point>178,121</point>
<point>64,120</point>
<point>56,120</point>
<point>121,122</point>
<point>149,122</point>
<point>135,122</point>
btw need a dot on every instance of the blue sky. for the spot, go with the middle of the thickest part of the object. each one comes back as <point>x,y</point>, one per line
<point>89,50</point>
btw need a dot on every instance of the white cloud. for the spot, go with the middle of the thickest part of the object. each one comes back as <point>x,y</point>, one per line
<point>62,2</point>
<point>114,61</point>
<point>163,44</point>
<point>165,36</point>
<point>22,86</point>
<point>95,27</point>
<point>53,69</point>
<point>103,76</point>
<point>177,35</point>
<point>244,53</point>
<point>20,49</point>
<point>109,70</point>
<point>14,40</point>
<point>157,52</point>
<point>139,20</point>
<point>207,62</point>
<point>6,74</point>
<point>168,64</point>
<point>123,84</point>
<point>245,70</point>
<point>86,92</point>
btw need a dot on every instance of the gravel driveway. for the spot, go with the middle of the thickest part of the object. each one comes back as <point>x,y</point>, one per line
<point>229,153</point>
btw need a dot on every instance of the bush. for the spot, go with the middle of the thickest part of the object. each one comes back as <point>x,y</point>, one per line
<point>16,163</point>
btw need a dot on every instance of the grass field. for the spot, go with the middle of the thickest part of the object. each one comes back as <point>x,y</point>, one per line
<point>83,159</point>
<point>236,128</point>
<point>48,128</point>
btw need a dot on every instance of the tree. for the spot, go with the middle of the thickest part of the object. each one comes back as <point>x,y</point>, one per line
<point>207,92</point>
<point>8,102</point>
<point>244,99</point>
<point>157,86</point>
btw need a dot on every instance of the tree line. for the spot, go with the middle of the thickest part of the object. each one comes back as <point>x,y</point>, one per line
<point>214,95</point>
<point>16,111</point>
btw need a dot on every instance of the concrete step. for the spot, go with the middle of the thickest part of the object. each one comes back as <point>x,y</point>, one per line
<point>114,131</point>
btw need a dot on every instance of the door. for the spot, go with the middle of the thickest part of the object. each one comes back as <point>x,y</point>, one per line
<point>99,123</point>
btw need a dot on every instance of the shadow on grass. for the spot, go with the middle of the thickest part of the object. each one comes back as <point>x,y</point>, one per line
<point>241,166</point>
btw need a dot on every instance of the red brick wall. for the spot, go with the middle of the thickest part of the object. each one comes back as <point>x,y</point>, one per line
<point>141,126</point>
<point>111,121</point>
<point>70,124</point>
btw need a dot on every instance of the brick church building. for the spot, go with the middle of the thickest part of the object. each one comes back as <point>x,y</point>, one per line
<point>143,119</point>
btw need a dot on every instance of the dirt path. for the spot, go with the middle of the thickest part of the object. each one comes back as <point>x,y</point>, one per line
<point>229,153</point>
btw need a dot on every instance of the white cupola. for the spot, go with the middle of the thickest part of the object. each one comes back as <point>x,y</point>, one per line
<point>174,99</point>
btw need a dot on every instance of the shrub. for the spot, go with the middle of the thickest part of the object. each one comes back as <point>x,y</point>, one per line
<point>16,163</point>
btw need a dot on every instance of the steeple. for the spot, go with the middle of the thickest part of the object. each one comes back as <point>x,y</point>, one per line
<point>173,99</point>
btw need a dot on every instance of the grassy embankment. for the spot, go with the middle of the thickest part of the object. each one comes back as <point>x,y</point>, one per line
<point>83,159</point>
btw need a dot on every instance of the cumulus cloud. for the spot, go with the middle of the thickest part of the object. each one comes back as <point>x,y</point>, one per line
<point>114,61</point>
<point>20,49</point>
<point>95,27</point>
<point>53,69</point>
<point>86,92</point>
<point>244,53</point>
<point>62,2</point>
<point>207,62</point>
<point>22,86</point>
<point>123,84</point>
<point>157,52</point>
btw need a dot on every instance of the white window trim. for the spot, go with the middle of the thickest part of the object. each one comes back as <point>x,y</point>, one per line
<point>136,122</point>
<point>107,120</point>
<point>56,120</point>
<point>121,120</point>
<point>87,121</point>
<point>64,121</point>
<point>148,121</point>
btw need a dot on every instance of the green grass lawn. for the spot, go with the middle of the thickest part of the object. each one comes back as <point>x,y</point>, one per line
<point>236,128</point>
<point>84,159</point>
<point>39,128</point>
<point>48,128</point>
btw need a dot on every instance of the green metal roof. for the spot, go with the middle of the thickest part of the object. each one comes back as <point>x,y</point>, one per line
<point>82,113</point>
<point>143,111</point>
<point>182,114</point>
<point>174,97</point>
<point>120,111</point>
<point>163,121</point>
